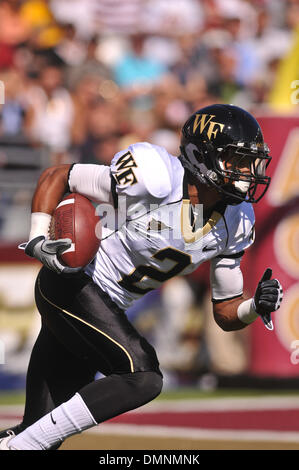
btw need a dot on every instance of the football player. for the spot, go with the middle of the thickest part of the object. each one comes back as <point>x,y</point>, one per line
<point>179,212</point>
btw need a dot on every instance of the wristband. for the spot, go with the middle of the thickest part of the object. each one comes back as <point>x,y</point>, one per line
<point>40,222</point>
<point>246,311</point>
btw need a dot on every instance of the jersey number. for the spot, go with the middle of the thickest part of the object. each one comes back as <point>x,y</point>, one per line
<point>181,259</point>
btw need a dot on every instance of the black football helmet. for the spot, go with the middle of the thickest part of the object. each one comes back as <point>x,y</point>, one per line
<point>223,147</point>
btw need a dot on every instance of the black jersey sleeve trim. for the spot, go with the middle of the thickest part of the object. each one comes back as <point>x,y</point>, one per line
<point>218,301</point>
<point>113,191</point>
<point>68,177</point>
<point>232,256</point>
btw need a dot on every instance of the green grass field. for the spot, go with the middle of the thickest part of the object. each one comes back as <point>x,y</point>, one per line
<point>18,398</point>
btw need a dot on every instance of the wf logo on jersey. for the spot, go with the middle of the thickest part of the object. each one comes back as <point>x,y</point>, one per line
<point>125,173</point>
<point>205,122</point>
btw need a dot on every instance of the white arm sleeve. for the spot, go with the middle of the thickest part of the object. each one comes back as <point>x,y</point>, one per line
<point>226,278</point>
<point>92,181</point>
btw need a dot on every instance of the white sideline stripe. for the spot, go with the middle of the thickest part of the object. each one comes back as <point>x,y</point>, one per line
<point>13,409</point>
<point>187,433</point>
<point>65,202</point>
<point>221,404</point>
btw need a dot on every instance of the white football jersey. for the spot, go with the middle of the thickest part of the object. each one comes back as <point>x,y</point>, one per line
<point>157,234</point>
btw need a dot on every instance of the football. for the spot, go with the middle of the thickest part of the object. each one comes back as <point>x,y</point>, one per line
<point>75,218</point>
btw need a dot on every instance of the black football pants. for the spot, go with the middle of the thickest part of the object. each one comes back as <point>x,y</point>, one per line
<point>84,332</point>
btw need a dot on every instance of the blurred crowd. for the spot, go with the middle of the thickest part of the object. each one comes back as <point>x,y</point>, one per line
<point>88,77</point>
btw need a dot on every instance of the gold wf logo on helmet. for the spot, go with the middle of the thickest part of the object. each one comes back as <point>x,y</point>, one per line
<point>205,120</point>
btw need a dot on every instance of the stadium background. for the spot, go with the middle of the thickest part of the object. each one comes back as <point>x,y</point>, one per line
<point>82,79</point>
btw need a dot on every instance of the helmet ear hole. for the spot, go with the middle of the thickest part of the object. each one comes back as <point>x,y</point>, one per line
<point>212,175</point>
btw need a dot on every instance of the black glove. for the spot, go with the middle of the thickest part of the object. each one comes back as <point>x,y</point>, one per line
<point>47,252</point>
<point>267,297</point>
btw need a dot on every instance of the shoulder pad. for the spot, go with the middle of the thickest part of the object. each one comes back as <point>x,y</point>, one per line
<point>240,221</point>
<point>143,169</point>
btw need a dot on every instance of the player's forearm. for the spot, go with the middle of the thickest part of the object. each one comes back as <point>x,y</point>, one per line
<point>227,314</point>
<point>50,189</point>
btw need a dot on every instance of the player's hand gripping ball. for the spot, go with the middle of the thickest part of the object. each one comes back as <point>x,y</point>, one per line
<point>75,218</point>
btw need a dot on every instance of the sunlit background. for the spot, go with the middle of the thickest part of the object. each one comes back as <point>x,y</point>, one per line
<point>81,80</point>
